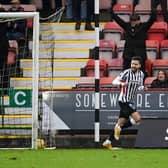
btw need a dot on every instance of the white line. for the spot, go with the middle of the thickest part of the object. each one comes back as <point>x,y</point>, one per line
<point>119,110</point>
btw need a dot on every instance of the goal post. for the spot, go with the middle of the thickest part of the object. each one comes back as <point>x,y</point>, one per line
<point>35,66</point>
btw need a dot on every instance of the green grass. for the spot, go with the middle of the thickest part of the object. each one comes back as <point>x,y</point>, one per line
<point>84,158</point>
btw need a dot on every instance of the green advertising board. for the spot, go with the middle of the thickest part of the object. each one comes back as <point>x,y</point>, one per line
<point>20,98</point>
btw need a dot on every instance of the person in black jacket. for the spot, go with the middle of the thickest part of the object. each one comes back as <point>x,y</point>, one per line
<point>135,37</point>
<point>163,4</point>
<point>16,29</point>
<point>161,81</point>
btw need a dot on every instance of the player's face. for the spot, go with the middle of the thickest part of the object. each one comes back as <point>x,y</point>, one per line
<point>135,65</point>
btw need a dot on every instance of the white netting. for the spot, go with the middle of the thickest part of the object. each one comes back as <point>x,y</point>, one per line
<point>17,122</point>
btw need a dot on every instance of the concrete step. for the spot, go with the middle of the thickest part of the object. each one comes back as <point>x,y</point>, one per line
<point>68,34</point>
<point>57,72</point>
<point>15,119</point>
<point>18,110</point>
<point>45,83</point>
<point>14,132</point>
<point>64,53</point>
<point>58,63</point>
<point>64,26</point>
<point>65,44</point>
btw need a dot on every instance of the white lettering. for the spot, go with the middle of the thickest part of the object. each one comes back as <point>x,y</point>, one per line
<point>147,104</point>
<point>113,100</point>
<point>86,100</point>
<point>139,100</point>
<point>103,103</point>
<point>161,103</point>
<point>20,103</point>
<point>78,100</point>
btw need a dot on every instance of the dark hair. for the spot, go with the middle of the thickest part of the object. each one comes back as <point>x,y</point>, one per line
<point>134,17</point>
<point>137,58</point>
<point>165,73</point>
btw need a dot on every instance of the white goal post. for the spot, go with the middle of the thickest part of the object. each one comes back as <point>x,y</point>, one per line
<point>35,66</point>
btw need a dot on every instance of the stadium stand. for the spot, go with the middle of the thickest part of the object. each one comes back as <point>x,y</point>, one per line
<point>85,82</point>
<point>105,4</point>
<point>152,49</point>
<point>112,31</point>
<point>107,49</point>
<point>143,10</point>
<point>159,64</point>
<point>123,11</point>
<point>158,31</point>
<point>124,1</point>
<point>106,82</point>
<point>148,81</point>
<point>120,48</point>
<point>90,68</point>
<point>164,49</point>
<point>148,67</point>
<point>115,66</point>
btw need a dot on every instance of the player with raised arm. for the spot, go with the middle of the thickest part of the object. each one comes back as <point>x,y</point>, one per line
<point>130,80</point>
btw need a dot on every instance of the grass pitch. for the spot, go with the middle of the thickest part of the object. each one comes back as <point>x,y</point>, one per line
<point>84,158</point>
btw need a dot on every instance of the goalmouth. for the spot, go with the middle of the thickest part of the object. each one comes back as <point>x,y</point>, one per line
<point>35,67</point>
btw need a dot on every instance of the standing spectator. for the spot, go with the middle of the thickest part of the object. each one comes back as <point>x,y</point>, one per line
<point>69,13</point>
<point>161,81</point>
<point>4,45</point>
<point>163,4</point>
<point>90,12</point>
<point>130,81</point>
<point>16,29</point>
<point>135,37</point>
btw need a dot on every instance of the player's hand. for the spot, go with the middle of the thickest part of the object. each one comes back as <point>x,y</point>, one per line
<point>124,84</point>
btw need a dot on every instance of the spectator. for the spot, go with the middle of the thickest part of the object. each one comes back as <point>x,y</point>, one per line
<point>135,37</point>
<point>16,29</point>
<point>163,4</point>
<point>161,81</point>
<point>4,45</point>
<point>90,12</point>
<point>69,13</point>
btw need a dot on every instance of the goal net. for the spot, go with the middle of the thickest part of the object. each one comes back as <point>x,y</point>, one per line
<point>19,94</point>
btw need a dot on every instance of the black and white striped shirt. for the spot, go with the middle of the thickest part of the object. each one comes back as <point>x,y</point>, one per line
<point>134,82</point>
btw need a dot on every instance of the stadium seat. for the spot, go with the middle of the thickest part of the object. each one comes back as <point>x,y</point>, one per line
<point>143,10</point>
<point>104,4</point>
<point>159,64</point>
<point>107,49</point>
<point>145,2</point>
<point>158,31</point>
<point>106,82</point>
<point>148,81</point>
<point>152,49</point>
<point>90,68</point>
<point>120,48</point>
<point>125,1</point>
<point>164,49</point>
<point>123,11</point>
<point>115,66</point>
<point>112,31</point>
<point>148,66</point>
<point>86,82</point>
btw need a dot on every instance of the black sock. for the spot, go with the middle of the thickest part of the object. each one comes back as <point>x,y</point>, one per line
<point>127,124</point>
<point>111,137</point>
